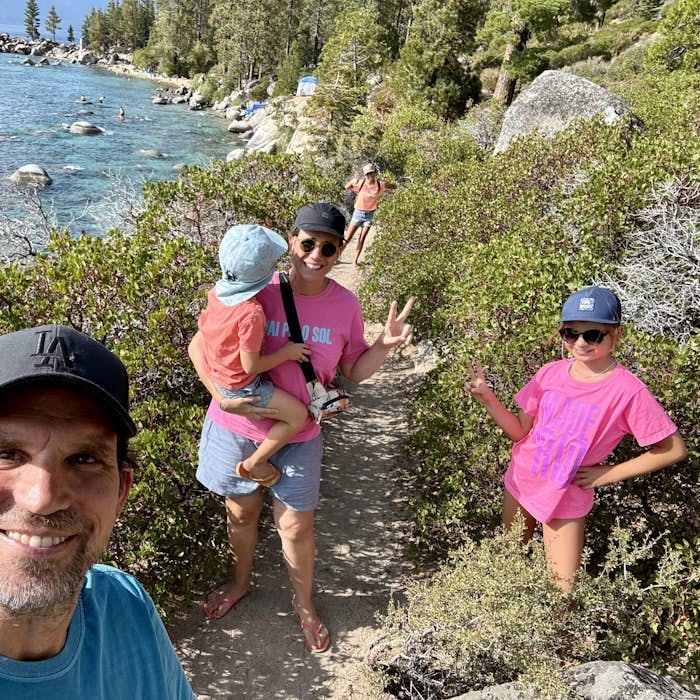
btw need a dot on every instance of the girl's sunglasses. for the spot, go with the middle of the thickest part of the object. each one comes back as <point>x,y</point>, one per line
<point>328,250</point>
<point>592,336</point>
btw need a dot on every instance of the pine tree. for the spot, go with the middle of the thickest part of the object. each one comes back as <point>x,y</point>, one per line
<point>71,35</point>
<point>53,22</point>
<point>31,19</point>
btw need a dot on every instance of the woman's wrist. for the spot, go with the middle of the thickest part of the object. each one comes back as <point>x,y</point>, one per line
<point>221,403</point>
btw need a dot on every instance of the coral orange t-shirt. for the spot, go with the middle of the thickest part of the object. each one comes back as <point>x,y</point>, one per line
<point>367,194</point>
<point>226,331</point>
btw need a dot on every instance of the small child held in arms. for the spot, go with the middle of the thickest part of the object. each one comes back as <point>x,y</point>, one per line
<point>573,413</point>
<point>232,329</point>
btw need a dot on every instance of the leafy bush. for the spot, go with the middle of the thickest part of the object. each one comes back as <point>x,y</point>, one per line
<point>490,615</point>
<point>145,59</point>
<point>678,46</point>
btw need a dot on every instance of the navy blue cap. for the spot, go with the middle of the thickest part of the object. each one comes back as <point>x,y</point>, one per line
<point>594,304</point>
<point>58,355</point>
<point>322,217</point>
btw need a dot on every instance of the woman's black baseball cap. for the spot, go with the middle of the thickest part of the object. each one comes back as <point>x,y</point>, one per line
<point>58,355</point>
<point>323,217</point>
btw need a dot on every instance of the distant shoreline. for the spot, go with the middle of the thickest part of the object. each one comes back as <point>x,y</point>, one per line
<point>123,67</point>
<point>128,70</point>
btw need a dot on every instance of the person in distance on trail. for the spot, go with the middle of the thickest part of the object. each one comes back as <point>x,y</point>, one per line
<point>232,330</point>
<point>573,413</point>
<point>367,190</point>
<point>333,317</point>
<point>70,628</point>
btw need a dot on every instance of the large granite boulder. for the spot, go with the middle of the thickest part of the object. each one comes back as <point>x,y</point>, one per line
<point>235,155</point>
<point>553,101</point>
<point>303,139</point>
<point>197,101</point>
<point>86,58</point>
<point>598,680</point>
<point>31,174</point>
<point>83,128</point>
<point>266,136</point>
<point>239,126</point>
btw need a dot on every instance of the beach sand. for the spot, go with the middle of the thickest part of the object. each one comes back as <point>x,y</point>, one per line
<point>128,70</point>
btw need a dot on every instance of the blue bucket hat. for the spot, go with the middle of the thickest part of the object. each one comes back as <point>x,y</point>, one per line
<point>247,255</point>
<point>594,304</point>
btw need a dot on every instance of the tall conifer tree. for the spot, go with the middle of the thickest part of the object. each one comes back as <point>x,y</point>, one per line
<point>53,22</point>
<point>31,19</point>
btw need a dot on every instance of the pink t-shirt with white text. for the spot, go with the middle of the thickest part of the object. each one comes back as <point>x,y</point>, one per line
<point>576,424</point>
<point>331,323</point>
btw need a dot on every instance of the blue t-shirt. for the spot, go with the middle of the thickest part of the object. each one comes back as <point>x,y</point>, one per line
<point>117,648</point>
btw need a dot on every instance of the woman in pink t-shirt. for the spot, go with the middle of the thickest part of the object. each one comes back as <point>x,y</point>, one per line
<point>573,413</point>
<point>333,327</point>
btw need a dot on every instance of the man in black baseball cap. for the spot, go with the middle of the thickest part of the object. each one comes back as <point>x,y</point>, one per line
<point>70,627</point>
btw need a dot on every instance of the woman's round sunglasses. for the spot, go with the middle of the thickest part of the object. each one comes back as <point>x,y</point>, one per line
<point>328,250</point>
<point>592,336</point>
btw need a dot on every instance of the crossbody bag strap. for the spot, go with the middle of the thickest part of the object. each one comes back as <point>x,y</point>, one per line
<point>295,335</point>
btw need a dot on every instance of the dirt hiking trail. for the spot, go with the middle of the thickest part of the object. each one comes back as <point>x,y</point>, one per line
<point>257,652</point>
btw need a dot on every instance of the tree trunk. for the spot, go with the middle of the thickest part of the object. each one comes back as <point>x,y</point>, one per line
<point>505,85</point>
<point>317,33</point>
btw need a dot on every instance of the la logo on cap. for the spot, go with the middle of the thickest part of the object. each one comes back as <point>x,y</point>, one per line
<point>52,352</point>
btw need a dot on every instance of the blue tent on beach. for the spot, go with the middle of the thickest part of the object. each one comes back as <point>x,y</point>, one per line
<point>307,85</point>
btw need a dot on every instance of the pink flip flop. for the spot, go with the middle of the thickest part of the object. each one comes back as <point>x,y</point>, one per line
<point>223,605</point>
<point>315,633</point>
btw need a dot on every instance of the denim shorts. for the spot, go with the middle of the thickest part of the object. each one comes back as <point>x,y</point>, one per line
<point>299,462</point>
<point>364,218</point>
<point>263,388</point>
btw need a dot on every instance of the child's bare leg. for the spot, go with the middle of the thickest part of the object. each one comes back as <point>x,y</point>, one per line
<point>563,545</point>
<point>289,421</point>
<point>513,513</point>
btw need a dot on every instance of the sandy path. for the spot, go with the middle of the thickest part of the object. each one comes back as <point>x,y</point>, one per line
<point>256,652</point>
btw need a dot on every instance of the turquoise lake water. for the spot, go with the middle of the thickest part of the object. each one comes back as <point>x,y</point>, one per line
<point>38,103</point>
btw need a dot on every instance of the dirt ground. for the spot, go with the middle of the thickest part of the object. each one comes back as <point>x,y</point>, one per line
<point>257,652</point>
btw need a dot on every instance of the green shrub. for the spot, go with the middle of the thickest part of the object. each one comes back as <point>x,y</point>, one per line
<point>678,46</point>
<point>145,59</point>
<point>570,55</point>
<point>259,92</point>
<point>491,615</point>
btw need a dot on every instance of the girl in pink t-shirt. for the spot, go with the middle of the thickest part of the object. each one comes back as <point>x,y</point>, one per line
<point>232,330</point>
<point>573,413</point>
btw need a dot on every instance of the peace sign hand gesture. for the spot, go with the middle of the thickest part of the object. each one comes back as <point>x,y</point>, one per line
<point>396,331</point>
<point>476,386</point>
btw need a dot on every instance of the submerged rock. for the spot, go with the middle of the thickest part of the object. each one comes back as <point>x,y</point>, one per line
<point>150,153</point>
<point>31,174</point>
<point>84,129</point>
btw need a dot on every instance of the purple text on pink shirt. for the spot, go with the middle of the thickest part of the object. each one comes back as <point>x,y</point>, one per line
<point>563,434</point>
